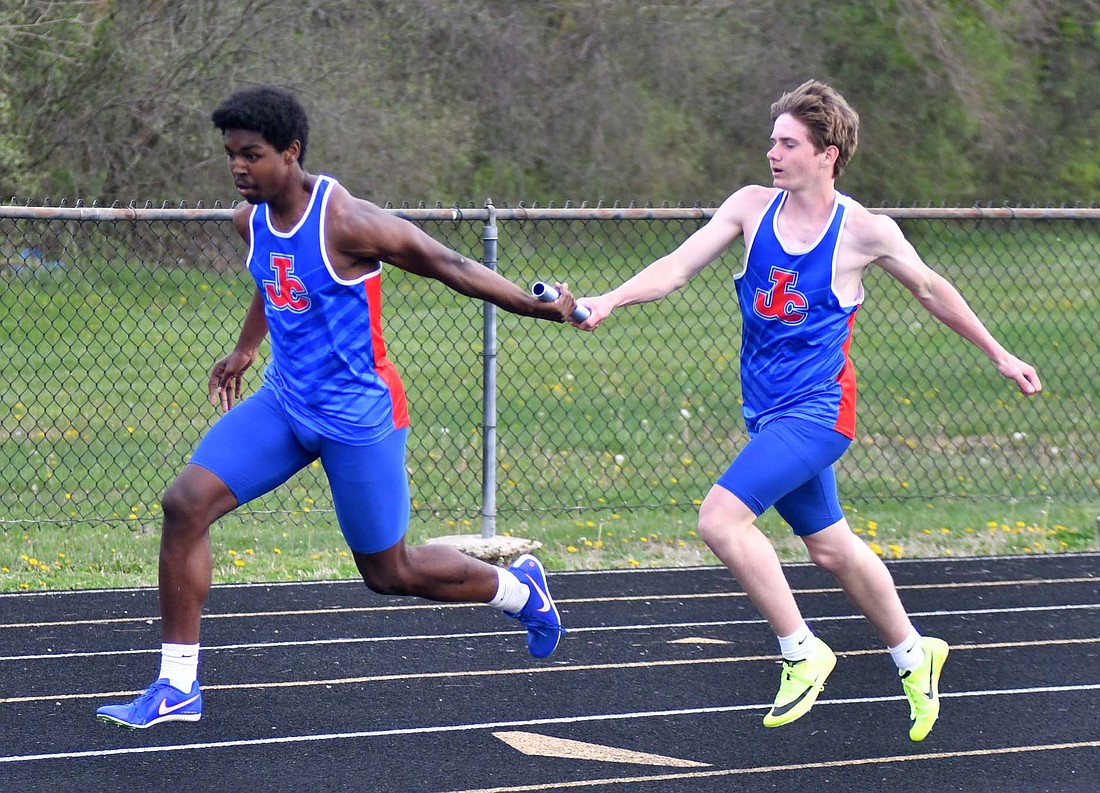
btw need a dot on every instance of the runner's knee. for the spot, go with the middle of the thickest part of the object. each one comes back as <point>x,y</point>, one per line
<point>193,501</point>
<point>722,517</point>
<point>388,573</point>
<point>835,552</point>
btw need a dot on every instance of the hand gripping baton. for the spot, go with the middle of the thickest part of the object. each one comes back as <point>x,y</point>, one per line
<point>548,294</point>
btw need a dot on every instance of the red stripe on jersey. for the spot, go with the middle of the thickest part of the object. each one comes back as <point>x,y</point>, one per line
<point>386,370</point>
<point>846,413</point>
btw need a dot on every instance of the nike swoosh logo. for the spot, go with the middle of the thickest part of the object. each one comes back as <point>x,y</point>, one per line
<point>931,676</point>
<point>164,711</point>
<point>542,595</point>
<point>784,708</point>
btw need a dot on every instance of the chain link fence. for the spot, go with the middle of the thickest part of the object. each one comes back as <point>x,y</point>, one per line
<point>112,319</point>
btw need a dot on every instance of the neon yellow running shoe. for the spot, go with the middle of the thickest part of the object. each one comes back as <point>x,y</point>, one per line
<point>799,684</point>
<point>922,687</point>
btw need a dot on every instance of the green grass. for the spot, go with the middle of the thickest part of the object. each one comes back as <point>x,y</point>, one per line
<point>621,431</point>
<point>308,546</point>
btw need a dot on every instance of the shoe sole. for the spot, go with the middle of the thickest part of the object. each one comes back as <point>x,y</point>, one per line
<point>175,717</point>
<point>804,703</point>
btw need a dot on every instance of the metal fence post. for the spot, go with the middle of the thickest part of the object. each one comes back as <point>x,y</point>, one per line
<point>489,386</point>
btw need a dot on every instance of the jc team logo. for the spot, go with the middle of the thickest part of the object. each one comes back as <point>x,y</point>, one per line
<point>287,291</point>
<point>781,301</point>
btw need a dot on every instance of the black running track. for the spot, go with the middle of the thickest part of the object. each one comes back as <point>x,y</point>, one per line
<point>659,686</point>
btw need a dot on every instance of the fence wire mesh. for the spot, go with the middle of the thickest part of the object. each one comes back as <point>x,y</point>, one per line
<point>112,320</point>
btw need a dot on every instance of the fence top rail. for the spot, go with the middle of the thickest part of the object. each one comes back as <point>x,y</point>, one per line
<point>458,214</point>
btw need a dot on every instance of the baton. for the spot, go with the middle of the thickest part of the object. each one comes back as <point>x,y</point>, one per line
<point>548,294</point>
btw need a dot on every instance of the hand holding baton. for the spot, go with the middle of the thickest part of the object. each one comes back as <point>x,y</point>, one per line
<point>548,294</point>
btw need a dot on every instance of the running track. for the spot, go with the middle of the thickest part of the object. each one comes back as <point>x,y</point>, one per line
<point>659,686</point>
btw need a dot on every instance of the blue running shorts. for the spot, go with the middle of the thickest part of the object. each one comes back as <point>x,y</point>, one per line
<point>256,446</point>
<point>789,465</point>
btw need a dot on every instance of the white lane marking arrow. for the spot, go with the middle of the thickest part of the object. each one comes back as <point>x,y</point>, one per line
<point>531,743</point>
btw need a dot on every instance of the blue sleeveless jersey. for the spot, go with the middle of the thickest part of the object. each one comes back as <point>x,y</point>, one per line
<point>328,358</point>
<point>795,331</point>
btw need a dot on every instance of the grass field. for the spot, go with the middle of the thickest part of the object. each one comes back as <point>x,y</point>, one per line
<point>606,441</point>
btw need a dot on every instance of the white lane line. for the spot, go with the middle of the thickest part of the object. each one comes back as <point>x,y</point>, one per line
<point>572,630</point>
<point>571,719</point>
<point>534,670</point>
<point>149,619</point>
<point>628,571</point>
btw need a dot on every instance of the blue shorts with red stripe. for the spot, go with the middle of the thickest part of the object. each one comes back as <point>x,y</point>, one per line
<point>256,447</point>
<point>788,464</point>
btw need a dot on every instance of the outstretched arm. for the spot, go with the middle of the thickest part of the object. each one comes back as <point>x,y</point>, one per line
<point>945,303</point>
<point>670,272</point>
<point>366,235</point>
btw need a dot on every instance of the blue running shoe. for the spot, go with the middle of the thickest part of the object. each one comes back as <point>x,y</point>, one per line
<point>161,702</point>
<point>539,615</point>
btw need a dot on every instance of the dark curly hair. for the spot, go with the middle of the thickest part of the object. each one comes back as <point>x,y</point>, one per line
<point>273,112</point>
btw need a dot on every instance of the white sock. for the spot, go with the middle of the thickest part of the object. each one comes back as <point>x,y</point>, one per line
<point>797,646</point>
<point>180,664</point>
<point>511,593</point>
<point>909,654</point>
